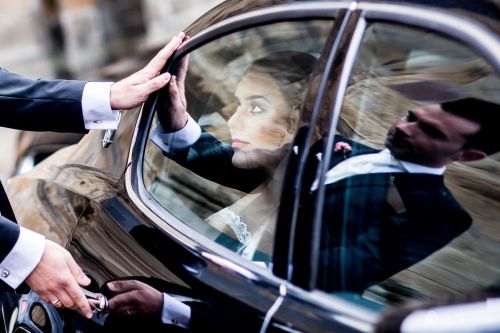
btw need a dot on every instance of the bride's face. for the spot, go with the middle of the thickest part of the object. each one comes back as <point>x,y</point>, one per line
<point>261,123</point>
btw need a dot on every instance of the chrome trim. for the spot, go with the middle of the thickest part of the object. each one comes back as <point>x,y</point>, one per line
<point>459,27</point>
<point>333,53</point>
<point>109,135</point>
<point>273,309</point>
<point>4,319</point>
<point>229,265</point>
<point>21,330</point>
<point>284,328</point>
<point>347,67</point>
<point>282,12</point>
<point>343,80</point>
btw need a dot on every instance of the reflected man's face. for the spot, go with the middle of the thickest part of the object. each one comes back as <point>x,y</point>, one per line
<point>261,122</point>
<point>429,136</point>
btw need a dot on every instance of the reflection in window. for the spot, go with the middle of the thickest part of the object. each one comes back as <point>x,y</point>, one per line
<point>412,193</point>
<point>244,91</point>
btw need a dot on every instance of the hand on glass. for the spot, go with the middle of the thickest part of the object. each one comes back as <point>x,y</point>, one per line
<point>173,116</point>
<point>135,89</point>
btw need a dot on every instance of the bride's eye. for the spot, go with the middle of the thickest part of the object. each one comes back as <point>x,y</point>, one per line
<point>255,108</point>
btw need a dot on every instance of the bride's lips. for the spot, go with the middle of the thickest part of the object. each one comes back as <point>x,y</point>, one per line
<point>238,144</point>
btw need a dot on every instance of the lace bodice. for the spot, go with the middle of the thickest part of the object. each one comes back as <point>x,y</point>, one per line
<point>236,223</point>
<point>248,240</point>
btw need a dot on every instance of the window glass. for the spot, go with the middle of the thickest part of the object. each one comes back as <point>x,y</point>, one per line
<point>244,92</point>
<point>411,195</point>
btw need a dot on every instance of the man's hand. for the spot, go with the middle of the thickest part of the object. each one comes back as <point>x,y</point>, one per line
<point>133,297</point>
<point>57,277</point>
<point>135,89</point>
<point>173,116</point>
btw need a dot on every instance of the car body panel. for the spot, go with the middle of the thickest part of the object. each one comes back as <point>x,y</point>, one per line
<point>33,147</point>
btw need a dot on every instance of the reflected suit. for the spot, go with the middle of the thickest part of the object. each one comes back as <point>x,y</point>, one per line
<point>373,225</point>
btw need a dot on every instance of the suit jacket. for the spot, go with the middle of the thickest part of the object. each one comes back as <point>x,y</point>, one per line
<point>373,225</point>
<point>35,105</point>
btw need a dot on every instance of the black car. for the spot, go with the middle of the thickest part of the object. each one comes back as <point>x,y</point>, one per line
<point>251,220</point>
<point>34,147</point>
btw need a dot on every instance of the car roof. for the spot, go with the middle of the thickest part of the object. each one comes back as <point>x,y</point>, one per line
<point>486,11</point>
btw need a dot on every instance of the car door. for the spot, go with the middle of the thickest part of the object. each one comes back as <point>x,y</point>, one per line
<point>220,88</point>
<point>370,240</point>
<point>188,219</point>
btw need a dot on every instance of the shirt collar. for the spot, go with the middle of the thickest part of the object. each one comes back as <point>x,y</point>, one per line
<point>411,167</point>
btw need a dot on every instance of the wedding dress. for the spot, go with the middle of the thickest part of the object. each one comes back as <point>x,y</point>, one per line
<point>249,233</point>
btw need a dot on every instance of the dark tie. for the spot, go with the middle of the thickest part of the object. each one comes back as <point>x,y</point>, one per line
<point>5,208</point>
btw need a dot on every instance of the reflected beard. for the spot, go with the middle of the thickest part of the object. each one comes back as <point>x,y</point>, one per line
<point>399,148</point>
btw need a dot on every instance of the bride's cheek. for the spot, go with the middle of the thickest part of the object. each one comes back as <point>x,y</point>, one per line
<point>274,137</point>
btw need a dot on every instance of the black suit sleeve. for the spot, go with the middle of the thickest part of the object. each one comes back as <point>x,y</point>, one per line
<point>211,159</point>
<point>40,105</point>
<point>36,105</point>
<point>367,237</point>
<point>9,233</point>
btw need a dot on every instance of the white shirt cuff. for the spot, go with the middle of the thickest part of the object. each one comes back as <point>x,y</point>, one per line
<point>23,258</point>
<point>176,141</point>
<point>175,312</point>
<point>96,106</point>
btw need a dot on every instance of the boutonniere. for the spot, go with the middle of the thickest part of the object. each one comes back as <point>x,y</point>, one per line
<point>342,148</point>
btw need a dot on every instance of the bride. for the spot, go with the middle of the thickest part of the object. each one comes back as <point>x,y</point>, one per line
<point>262,127</point>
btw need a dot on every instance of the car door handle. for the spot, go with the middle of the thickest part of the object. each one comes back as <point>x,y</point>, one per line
<point>97,301</point>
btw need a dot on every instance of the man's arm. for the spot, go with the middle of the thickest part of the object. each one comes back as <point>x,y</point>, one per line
<point>61,106</point>
<point>136,298</point>
<point>56,105</point>
<point>40,105</point>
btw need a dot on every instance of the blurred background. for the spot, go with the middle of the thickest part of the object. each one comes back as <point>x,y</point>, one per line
<point>85,39</point>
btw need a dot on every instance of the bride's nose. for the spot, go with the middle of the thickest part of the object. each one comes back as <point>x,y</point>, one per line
<point>236,121</point>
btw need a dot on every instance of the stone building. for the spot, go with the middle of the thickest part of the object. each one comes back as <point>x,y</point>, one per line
<point>69,38</point>
<point>75,38</point>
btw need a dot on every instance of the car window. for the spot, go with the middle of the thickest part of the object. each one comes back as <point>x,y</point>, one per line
<point>418,105</point>
<point>244,92</point>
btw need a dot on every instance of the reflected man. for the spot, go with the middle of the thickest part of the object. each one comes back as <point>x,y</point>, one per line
<point>385,211</point>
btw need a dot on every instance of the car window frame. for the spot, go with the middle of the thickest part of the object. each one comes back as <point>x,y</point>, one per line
<point>213,254</point>
<point>234,24</point>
